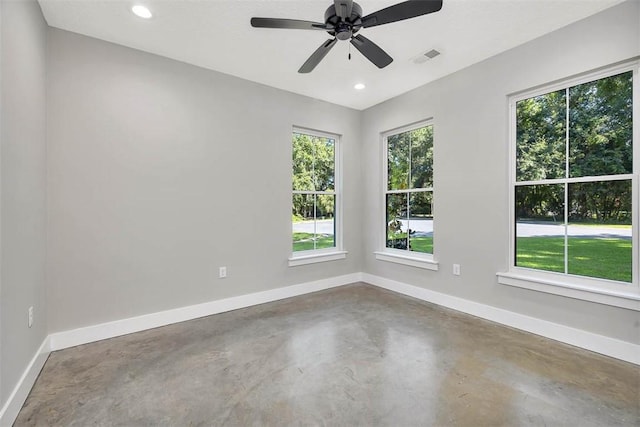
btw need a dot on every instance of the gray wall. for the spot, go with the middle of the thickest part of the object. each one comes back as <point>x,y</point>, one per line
<point>160,172</point>
<point>22,187</point>
<point>470,114</point>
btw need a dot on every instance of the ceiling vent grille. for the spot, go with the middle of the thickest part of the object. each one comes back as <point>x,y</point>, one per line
<point>432,54</point>
<point>424,57</point>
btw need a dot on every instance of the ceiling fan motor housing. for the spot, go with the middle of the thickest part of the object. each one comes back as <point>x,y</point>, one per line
<point>343,19</point>
<point>344,29</point>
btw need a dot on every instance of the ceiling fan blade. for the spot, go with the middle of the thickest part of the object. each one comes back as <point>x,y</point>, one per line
<point>398,12</point>
<point>343,8</point>
<point>371,51</point>
<point>317,56</point>
<point>289,24</point>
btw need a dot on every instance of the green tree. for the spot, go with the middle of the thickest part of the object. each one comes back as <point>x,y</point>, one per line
<point>600,127</point>
<point>313,170</point>
<point>600,143</point>
<point>398,147</point>
<point>540,137</point>
<point>303,152</point>
<point>410,166</point>
<point>422,157</point>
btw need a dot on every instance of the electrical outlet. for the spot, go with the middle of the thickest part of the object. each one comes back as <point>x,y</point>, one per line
<point>31,316</point>
<point>456,269</point>
<point>223,272</point>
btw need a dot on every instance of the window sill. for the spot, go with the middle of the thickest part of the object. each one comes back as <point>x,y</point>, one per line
<point>413,261</point>
<point>317,257</point>
<point>624,299</point>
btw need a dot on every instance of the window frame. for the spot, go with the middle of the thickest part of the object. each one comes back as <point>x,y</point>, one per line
<point>325,254</point>
<point>401,256</point>
<point>604,291</point>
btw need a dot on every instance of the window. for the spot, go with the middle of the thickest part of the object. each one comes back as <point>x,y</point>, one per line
<point>408,195</point>
<point>316,197</point>
<point>574,181</point>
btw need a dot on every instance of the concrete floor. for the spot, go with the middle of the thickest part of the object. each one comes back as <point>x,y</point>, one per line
<point>355,355</point>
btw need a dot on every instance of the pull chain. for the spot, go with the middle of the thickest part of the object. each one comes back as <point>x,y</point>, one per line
<point>349,51</point>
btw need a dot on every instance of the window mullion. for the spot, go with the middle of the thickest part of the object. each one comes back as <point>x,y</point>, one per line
<point>313,164</point>
<point>315,222</point>
<point>566,131</point>
<point>409,186</point>
<point>566,228</point>
<point>326,193</point>
<point>566,185</point>
<point>635,184</point>
<point>594,178</point>
<point>408,215</point>
<point>412,190</point>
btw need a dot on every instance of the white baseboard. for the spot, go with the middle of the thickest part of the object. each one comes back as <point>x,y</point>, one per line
<point>57,341</point>
<point>65,339</point>
<point>597,343</point>
<point>12,407</point>
<point>74,337</point>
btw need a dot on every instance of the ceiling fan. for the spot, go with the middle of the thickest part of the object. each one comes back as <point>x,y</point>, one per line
<point>344,19</point>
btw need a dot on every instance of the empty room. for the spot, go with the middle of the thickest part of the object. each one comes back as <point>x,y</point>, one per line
<point>317,212</point>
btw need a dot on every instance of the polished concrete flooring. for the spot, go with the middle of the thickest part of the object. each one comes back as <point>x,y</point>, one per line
<point>350,356</point>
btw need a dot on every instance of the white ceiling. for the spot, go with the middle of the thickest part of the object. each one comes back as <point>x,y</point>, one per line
<point>216,34</point>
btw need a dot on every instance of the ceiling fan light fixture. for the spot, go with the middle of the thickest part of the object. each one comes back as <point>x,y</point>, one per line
<point>141,11</point>
<point>359,86</point>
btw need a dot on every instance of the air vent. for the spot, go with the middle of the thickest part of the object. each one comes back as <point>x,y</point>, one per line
<point>424,57</point>
<point>432,54</point>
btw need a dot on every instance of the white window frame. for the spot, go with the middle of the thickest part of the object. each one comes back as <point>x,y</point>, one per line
<point>326,254</point>
<point>400,256</point>
<point>603,291</point>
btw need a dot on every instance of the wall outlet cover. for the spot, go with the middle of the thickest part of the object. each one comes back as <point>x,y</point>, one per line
<point>456,269</point>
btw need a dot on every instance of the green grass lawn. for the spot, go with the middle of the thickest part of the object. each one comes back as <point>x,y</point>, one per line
<point>304,241</point>
<point>422,244</point>
<point>418,244</point>
<point>606,258</point>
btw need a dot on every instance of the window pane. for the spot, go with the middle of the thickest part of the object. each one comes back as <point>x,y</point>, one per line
<point>303,222</point>
<point>540,137</point>
<point>600,230</point>
<point>421,222</point>
<point>540,227</point>
<point>422,157</point>
<point>303,152</point>
<point>398,161</point>
<point>324,166</point>
<point>397,221</point>
<point>325,221</point>
<point>600,127</point>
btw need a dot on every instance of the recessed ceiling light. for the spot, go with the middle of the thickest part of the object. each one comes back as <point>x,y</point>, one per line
<point>359,86</point>
<point>141,11</point>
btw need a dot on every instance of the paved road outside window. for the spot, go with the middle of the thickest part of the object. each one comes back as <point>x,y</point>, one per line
<point>424,227</point>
